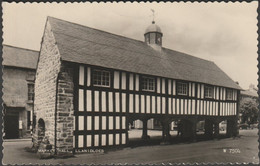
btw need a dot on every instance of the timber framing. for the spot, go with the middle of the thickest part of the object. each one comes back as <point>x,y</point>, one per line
<point>125,99</point>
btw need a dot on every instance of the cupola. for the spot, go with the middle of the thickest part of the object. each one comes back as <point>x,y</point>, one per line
<point>153,35</point>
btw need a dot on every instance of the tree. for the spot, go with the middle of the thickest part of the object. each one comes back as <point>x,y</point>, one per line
<point>249,110</point>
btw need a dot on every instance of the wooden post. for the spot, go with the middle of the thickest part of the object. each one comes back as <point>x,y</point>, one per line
<point>193,130</point>
<point>216,130</point>
<point>166,137</point>
<point>232,128</point>
<point>228,134</point>
<point>208,128</point>
<point>145,136</point>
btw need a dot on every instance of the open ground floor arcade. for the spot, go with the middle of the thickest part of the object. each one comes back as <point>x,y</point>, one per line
<point>104,132</point>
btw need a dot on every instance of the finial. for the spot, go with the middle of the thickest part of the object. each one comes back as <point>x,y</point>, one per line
<point>153,16</point>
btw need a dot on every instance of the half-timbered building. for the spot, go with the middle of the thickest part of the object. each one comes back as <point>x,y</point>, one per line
<point>91,84</point>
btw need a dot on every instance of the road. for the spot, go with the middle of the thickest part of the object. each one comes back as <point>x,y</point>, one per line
<point>238,150</point>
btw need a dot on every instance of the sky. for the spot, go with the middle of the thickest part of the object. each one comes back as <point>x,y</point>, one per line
<point>225,33</point>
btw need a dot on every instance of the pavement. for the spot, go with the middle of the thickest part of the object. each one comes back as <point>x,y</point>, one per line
<point>226,150</point>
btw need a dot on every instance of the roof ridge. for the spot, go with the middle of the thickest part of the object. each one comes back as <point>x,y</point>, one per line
<point>128,38</point>
<point>71,37</point>
<point>7,45</point>
<point>95,29</point>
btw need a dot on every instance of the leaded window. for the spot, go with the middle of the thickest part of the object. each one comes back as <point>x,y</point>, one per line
<point>101,78</point>
<point>148,84</point>
<point>208,90</point>
<point>30,91</point>
<point>182,88</point>
<point>229,94</point>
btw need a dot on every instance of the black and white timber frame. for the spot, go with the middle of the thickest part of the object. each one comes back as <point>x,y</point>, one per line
<point>102,114</point>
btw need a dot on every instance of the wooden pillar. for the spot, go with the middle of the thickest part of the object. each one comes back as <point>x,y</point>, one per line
<point>232,128</point>
<point>186,129</point>
<point>229,128</point>
<point>216,130</point>
<point>166,137</point>
<point>236,129</point>
<point>163,130</point>
<point>167,132</point>
<point>193,131</point>
<point>145,135</point>
<point>208,128</point>
<point>189,129</point>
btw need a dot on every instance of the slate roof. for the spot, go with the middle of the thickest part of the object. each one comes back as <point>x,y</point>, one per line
<point>81,44</point>
<point>19,57</point>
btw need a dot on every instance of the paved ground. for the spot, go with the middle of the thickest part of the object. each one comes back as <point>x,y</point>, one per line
<point>239,150</point>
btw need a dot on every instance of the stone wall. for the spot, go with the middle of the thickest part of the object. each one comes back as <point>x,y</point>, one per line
<point>45,85</point>
<point>65,117</point>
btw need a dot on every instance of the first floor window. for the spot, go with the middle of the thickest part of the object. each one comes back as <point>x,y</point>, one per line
<point>208,91</point>
<point>229,94</point>
<point>182,88</point>
<point>101,78</point>
<point>30,91</point>
<point>148,84</point>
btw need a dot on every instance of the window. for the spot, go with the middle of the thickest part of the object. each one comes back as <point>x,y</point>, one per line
<point>148,84</point>
<point>158,39</point>
<point>208,91</point>
<point>147,38</point>
<point>30,92</point>
<point>28,120</point>
<point>182,88</point>
<point>101,78</point>
<point>229,94</point>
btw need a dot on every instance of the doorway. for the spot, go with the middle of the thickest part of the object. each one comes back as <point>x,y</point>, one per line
<point>11,126</point>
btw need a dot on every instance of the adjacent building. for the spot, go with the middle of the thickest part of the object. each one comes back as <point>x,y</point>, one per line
<point>250,93</point>
<point>90,85</point>
<point>19,67</point>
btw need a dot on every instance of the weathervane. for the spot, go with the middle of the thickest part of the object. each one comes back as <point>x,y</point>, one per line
<point>153,15</point>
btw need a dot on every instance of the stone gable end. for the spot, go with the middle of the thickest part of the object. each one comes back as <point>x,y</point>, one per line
<point>49,65</point>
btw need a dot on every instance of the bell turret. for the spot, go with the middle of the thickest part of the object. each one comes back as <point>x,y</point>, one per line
<point>153,35</point>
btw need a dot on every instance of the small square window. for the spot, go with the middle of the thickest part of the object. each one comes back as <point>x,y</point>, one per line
<point>148,84</point>
<point>208,91</point>
<point>101,78</point>
<point>182,88</point>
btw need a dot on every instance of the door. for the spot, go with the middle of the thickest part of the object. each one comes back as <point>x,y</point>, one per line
<point>11,126</point>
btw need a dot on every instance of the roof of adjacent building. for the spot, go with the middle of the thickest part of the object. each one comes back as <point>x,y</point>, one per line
<point>19,57</point>
<point>81,44</point>
<point>249,93</point>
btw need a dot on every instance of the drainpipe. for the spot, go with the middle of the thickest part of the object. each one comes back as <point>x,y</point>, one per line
<point>55,118</point>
